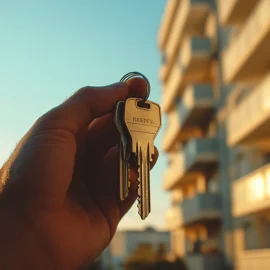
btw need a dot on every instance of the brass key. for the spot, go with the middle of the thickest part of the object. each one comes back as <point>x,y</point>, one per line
<point>143,121</point>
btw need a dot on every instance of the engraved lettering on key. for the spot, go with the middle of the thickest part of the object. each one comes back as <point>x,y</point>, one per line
<point>143,125</point>
<point>143,120</point>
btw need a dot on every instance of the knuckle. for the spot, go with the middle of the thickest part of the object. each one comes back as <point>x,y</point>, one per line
<point>86,90</point>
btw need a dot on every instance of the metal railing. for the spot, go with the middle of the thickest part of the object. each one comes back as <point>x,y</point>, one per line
<point>252,192</point>
<point>251,34</point>
<point>245,117</point>
<point>255,259</point>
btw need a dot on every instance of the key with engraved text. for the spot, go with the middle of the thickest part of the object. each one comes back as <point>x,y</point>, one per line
<point>143,121</point>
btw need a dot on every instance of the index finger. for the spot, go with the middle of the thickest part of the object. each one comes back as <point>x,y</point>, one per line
<point>89,103</point>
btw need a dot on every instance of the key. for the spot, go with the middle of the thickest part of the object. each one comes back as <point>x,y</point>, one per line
<point>123,149</point>
<point>143,124</point>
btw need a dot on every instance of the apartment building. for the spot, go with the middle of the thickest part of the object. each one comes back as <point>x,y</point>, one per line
<point>215,76</point>
<point>125,243</point>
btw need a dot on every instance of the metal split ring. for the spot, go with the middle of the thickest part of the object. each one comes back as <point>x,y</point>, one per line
<point>135,74</point>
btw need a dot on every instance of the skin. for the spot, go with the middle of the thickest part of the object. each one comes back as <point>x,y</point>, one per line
<point>59,190</point>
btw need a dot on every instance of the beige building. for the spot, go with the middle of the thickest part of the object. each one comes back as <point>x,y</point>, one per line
<point>215,79</point>
<point>125,243</point>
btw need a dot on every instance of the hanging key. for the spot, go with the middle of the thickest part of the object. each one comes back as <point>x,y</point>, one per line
<point>123,149</point>
<point>143,121</point>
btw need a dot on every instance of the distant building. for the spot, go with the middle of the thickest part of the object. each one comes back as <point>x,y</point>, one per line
<point>215,76</point>
<point>126,242</point>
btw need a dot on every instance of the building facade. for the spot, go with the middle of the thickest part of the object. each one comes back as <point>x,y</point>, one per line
<point>125,243</point>
<point>215,76</point>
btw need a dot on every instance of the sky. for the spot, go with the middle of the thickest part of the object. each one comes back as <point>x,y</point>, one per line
<point>49,49</point>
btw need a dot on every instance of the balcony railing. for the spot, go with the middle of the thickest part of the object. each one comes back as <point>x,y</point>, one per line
<point>196,107</point>
<point>200,154</point>
<point>201,208</point>
<point>255,259</point>
<point>172,174</point>
<point>198,157</point>
<point>171,131</point>
<point>189,20</point>
<point>162,72</point>
<point>211,27</point>
<point>251,193</point>
<point>167,22</point>
<point>234,12</point>
<point>249,122</point>
<point>204,262</point>
<point>172,88</point>
<point>194,66</point>
<point>250,48</point>
<point>190,116</point>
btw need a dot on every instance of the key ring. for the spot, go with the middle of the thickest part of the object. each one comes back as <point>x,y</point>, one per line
<point>135,74</point>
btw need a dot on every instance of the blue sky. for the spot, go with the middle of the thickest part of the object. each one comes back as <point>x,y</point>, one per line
<point>49,49</point>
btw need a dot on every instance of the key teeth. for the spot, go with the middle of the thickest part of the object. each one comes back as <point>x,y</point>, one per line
<point>139,192</point>
<point>139,186</point>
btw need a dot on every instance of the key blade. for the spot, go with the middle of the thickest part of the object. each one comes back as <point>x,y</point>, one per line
<point>144,202</point>
<point>122,174</point>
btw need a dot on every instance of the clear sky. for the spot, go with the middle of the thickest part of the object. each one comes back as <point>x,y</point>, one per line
<point>49,49</point>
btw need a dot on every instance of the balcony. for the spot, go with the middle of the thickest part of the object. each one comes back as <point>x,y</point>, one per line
<point>204,262</point>
<point>249,122</point>
<point>202,208</point>
<point>252,60</point>
<point>211,26</point>
<point>191,115</point>
<point>172,174</point>
<point>255,259</point>
<point>194,66</point>
<point>174,218</point>
<point>251,193</point>
<point>196,109</point>
<point>171,131</point>
<point>167,22</point>
<point>235,12</point>
<point>189,20</point>
<point>162,72</point>
<point>198,157</point>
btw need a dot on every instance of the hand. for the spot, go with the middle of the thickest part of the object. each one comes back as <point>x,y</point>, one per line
<point>59,192</point>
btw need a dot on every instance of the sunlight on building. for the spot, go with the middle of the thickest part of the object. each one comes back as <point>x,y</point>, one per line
<point>215,77</point>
